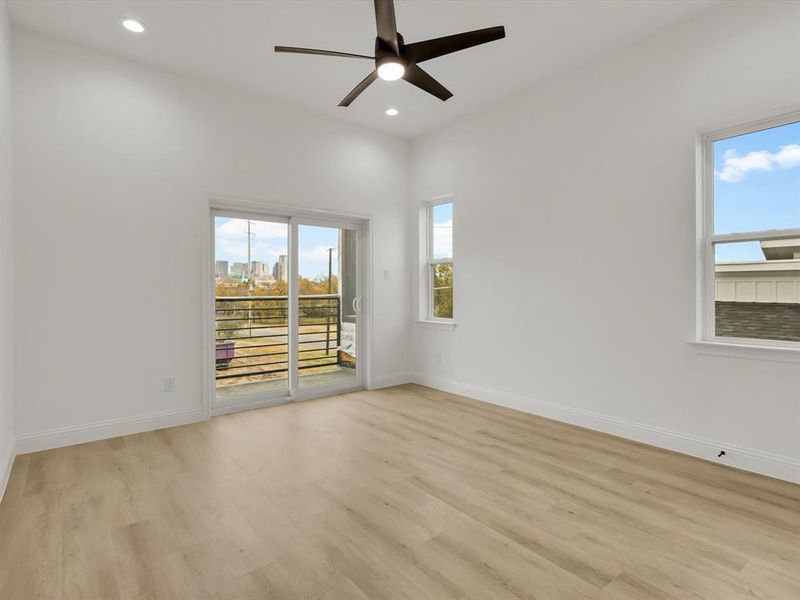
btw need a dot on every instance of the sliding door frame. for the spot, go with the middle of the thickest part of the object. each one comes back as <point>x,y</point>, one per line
<point>240,208</point>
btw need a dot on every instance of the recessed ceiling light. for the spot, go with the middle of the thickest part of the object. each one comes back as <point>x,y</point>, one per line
<point>134,26</point>
<point>392,112</point>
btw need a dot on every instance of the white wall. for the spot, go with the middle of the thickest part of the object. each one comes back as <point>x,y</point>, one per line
<point>6,267</point>
<point>114,162</point>
<point>564,196</point>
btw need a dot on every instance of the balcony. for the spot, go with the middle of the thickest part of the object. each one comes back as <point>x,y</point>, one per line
<point>252,335</point>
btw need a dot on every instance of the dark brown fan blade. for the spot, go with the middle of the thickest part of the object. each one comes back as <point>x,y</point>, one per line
<point>387,27</point>
<point>293,50</point>
<point>416,76</point>
<point>359,88</point>
<point>421,51</point>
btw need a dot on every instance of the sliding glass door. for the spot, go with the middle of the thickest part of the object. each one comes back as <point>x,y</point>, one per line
<point>287,306</point>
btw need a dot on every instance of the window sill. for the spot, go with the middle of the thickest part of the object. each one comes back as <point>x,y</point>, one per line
<point>444,325</point>
<point>748,351</point>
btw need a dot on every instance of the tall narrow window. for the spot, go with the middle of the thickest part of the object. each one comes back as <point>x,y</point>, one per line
<point>752,233</point>
<point>440,260</point>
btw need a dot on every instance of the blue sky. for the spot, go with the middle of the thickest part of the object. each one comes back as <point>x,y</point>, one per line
<point>756,186</point>
<point>271,240</point>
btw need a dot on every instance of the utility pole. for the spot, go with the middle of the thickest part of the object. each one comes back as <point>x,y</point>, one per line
<point>330,267</point>
<point>248,245</point>
<point>327,312</point>
<point>248,273</point>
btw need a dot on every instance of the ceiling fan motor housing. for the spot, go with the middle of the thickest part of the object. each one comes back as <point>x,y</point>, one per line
<point>384,53</point>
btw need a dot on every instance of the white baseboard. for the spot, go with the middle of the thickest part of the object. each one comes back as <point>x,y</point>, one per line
<point>6,463</point>
<point>101,430</point>
<point>781,467</point>
<point>68,436</point>
<point>390,380</point>
<point>772,465</point>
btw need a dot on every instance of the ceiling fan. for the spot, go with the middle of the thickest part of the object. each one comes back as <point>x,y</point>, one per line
<point>394,59</point>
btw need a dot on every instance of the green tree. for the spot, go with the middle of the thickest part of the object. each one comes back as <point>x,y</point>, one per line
<point>443,290</point>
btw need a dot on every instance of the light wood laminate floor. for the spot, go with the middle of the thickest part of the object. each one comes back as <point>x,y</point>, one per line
<point>399,494</point>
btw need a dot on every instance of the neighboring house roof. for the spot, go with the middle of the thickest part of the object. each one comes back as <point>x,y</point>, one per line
<point>781,249</point>
<point>780,255</point>
<point>774,280</point>
<point>771,266</point>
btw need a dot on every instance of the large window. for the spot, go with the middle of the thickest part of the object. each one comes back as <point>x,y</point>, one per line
<point>751,234</point>
<point>440,260</point>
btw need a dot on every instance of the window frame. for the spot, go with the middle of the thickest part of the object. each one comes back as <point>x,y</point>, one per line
<point>430,261</point>
<point>707,239</point>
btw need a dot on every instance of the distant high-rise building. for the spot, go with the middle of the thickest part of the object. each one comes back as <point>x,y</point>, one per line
<point>258,269</point>
<point>238,269</point>
<point>221,269</point>
<point>281,269</point>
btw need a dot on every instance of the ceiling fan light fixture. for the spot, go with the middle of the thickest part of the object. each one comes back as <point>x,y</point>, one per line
<point>391,71</point>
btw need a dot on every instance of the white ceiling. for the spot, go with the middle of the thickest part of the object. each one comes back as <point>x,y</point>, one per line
<point>231,43</point>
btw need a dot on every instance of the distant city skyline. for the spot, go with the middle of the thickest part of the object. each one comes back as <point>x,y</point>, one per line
<point>257,269</point>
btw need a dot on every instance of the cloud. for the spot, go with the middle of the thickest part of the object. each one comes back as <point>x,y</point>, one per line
<point>443,239</point>
<point>236,229</point>
<point>318,253</point>
<point>268,243</point>
<point>736,168</point>
<point>788,156</point>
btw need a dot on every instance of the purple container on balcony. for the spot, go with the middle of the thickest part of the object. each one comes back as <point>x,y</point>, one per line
<point>225,352</point>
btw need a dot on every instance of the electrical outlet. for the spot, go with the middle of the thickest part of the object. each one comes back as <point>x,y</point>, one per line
<point>386,274</point>
<point>169,384</point>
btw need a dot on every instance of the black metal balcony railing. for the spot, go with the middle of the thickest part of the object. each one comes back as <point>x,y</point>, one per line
<point>252,335</point>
